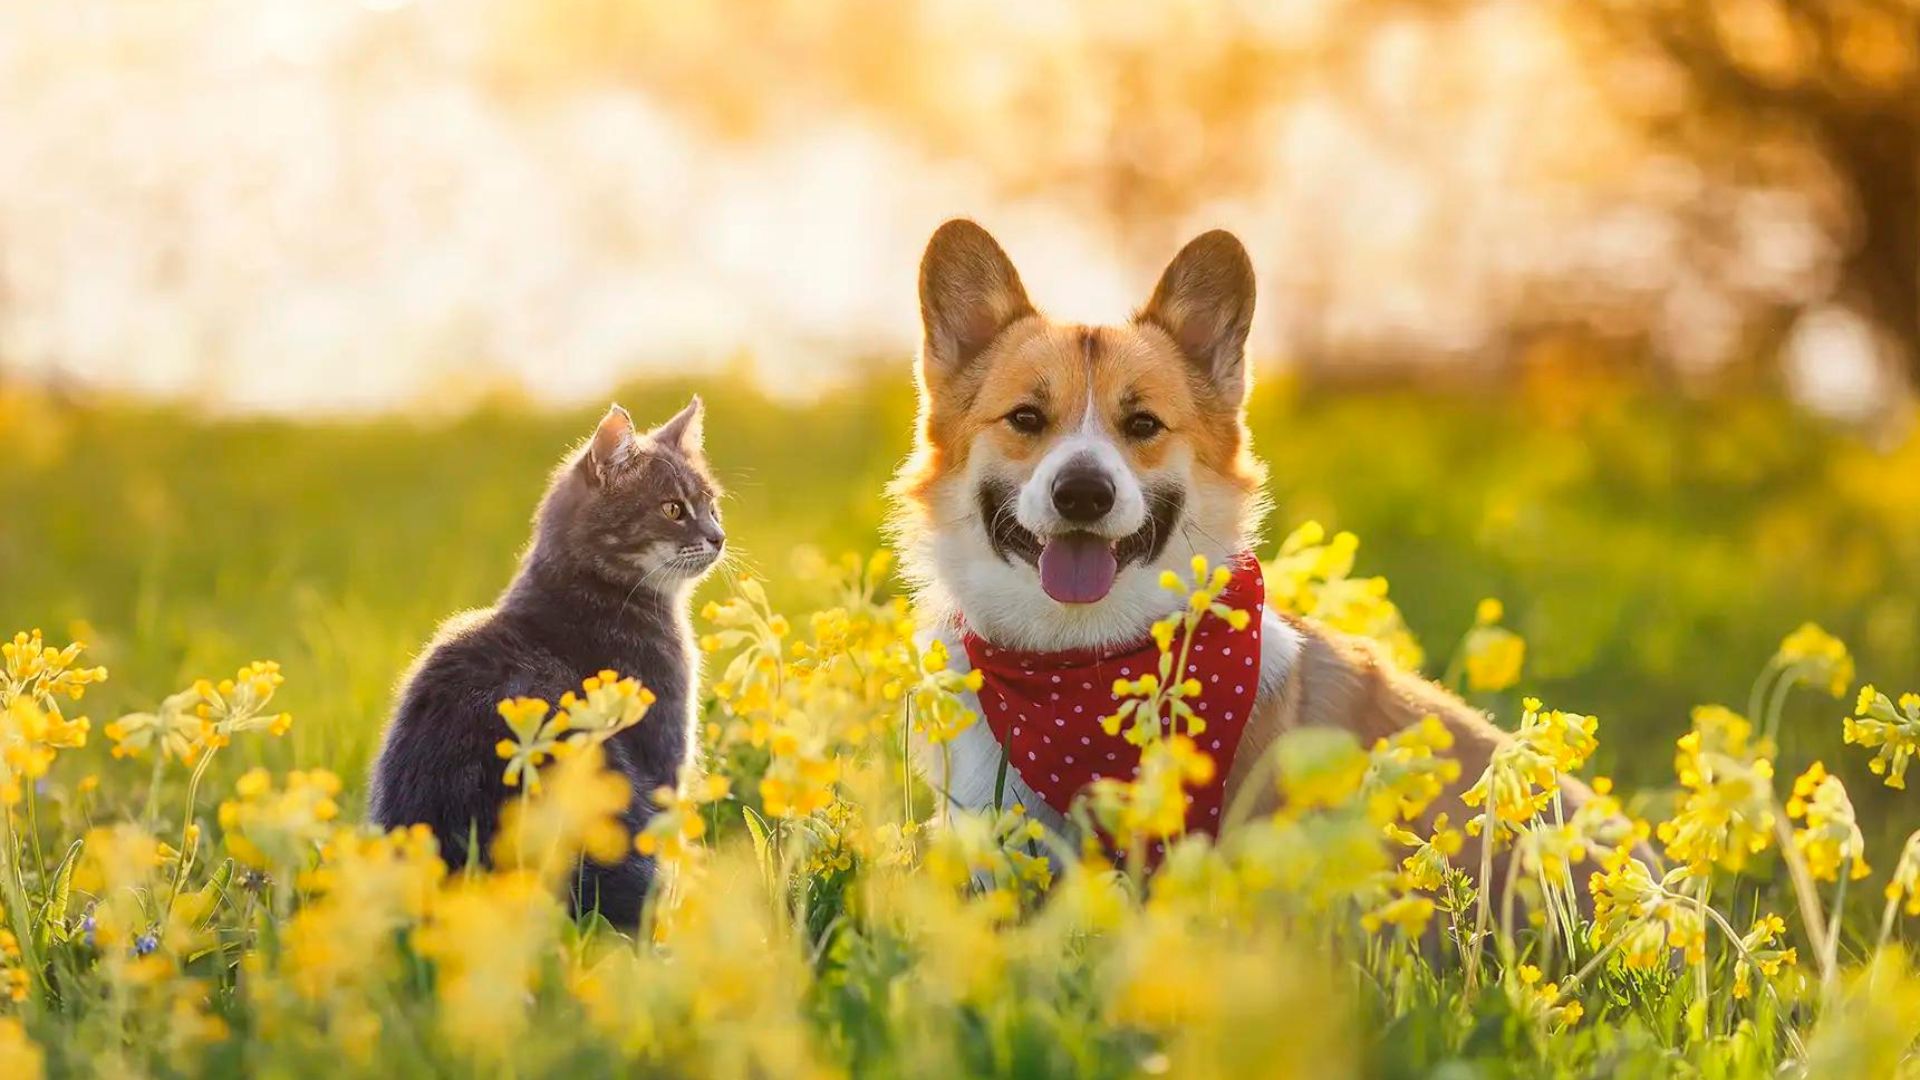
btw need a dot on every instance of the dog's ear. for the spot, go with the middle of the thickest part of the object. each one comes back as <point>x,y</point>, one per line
<point>609,442</point>
<point>1205,303</point>
<point>969,292</point>
<point>686,431</point>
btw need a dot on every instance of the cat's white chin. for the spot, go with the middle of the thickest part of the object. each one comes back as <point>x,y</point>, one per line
<point>665,566</point>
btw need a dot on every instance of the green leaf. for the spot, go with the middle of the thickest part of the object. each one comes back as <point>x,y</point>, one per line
<point>757,828</point>
<point>53,910</point>
<point>217,886</point>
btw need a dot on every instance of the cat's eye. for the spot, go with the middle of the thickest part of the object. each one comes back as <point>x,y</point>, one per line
<point>1142,426</point>
<point>1027,420</point>
<point>673,509</point>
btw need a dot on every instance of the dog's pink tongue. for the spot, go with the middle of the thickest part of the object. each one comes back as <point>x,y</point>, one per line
<point>1077,568</point>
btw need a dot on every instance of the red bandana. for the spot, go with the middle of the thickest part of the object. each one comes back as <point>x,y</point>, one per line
<point>1045,708</point>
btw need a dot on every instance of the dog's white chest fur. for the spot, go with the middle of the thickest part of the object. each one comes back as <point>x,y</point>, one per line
<point>968,769</point>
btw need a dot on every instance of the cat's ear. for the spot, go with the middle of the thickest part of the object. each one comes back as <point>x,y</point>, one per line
<point>969,292</point>
<point>609,442</point>
<point>1204,302</point>
<point>687,430</point>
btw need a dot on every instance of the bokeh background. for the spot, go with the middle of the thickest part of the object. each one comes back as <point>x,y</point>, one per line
<point>1608,308</point>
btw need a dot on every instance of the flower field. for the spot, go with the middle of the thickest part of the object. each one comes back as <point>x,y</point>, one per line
<point>1714,605</point>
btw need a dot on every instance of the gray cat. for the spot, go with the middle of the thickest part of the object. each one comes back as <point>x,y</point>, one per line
<point>627,527</point>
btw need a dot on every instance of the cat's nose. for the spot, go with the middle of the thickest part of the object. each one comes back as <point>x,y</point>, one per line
<point>716,539</point>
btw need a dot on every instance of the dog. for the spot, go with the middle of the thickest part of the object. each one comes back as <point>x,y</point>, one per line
<point>1057,471</point>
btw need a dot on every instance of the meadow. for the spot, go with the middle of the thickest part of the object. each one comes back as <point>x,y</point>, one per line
<point>1656,553</point>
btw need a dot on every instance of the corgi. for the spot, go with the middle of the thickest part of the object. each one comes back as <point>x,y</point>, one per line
<point>1058,470</point>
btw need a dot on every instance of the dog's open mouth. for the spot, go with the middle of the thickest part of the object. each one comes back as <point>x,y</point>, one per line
<point>1077,567</point>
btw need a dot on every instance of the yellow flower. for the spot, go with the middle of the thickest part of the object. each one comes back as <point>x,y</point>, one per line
<point>38,671</point>
<point>1310,576</point>
<point>1830,837</point>
<point>574,813</point>
<point>672,835</point>
<point>1430,864</point>
<point>1541,1001</point>
<point>1495,656</point>
<point>754,678</point>
<point>488,937</point>
<point>1726,815</point>
<point>1406,771</point>
<point>801,778</point>
<point>1877,723</point>
<point>1813,657</point>
<point>16,982</point>
<point>1408,913</point>
<point>933,696</point>
<point>1761,949</point>
<point>1868,1030</point>
<point>20,1059</point>
<point>205,716</point>
<point>24,753</point>
<point>364,889</point>
<point>117,866</point>
<point>1598,826</point>
<point>1523,772</point>
<point>35,680</point>
<point>1159,701</point>
<point>273,829</point>
<point>1320,768</point>
<point>1646,917</point>
<point>1153,806</point>
<point>536,738</point>
<point>606,705</point>
<point>1906,876</point>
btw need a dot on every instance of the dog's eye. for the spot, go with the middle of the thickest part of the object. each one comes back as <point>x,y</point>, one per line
<point>673,510</point>
<point>1027,420</point>
<point>1143,425</point>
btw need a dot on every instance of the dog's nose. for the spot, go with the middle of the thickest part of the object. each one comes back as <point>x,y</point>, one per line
<point>1082,495</point>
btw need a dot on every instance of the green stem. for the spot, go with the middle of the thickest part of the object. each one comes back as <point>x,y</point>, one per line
<point>1777,702</point>
<point>1757,697</point>
<point>186,830</point>
<point>946,780</point>
<point>1564,906</point>
<point>1179,672</point>
<point>1740,947</point>
<point>1701,987</point>
<point>906,762</point>
<point>1488,836</point>
<point>1806,894</point>
<point>18,911</point>
<point>152,815</point>
<point>1506,906</point>
<point>1456,666</point>
<point>1839,908</point>
<point>1256,777</point>
<point>33,830</point>
<point>1572,982</point>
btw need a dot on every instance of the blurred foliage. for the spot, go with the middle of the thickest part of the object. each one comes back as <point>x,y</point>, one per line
<point>1651,549</point>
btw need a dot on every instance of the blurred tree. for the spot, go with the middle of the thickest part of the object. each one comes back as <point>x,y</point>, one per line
<point>1766,84</point>
<point>1435,182</point>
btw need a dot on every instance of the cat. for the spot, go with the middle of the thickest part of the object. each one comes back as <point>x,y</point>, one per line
<point>628,525</point>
